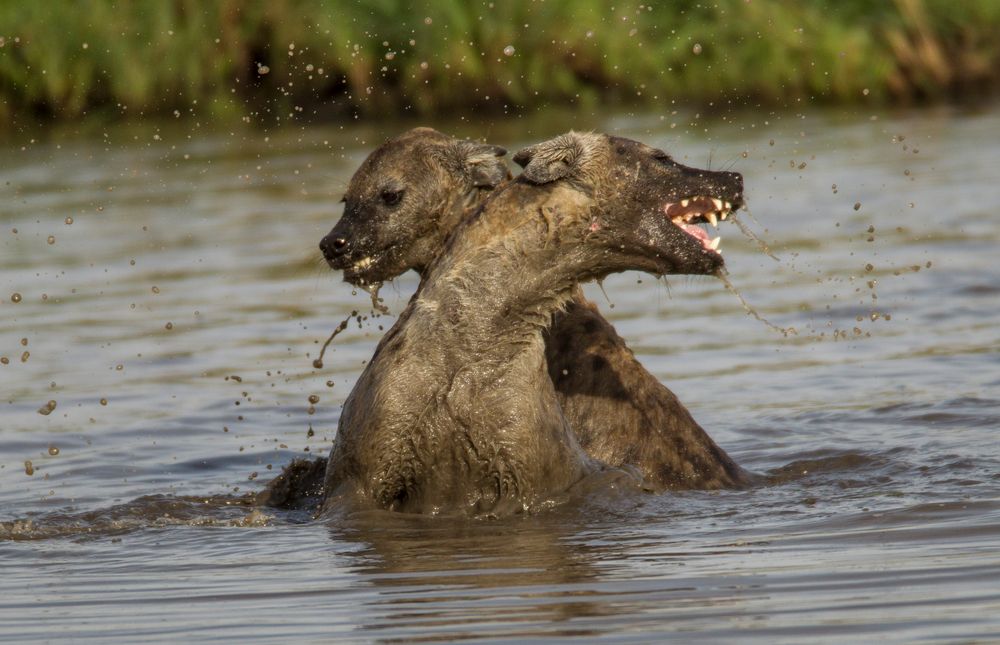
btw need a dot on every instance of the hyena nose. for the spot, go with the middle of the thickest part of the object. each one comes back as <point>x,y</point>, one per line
<point>734,179</point>
<point>333,246</point>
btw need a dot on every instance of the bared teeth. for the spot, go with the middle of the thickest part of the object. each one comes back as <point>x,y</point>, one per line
<point>714,244</point>
<point>701,207</point>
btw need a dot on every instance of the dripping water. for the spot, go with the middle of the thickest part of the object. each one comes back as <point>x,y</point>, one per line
<point>761,244</point>
<point>377,303</point>
<point>318,363</point>
<point>785,331</point>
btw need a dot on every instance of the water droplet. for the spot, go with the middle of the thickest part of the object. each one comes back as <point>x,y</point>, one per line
<point>169,325</point>
<point>24,342</point>
<point>865,91</point>
<point>53,450</point>
<point>52,239</point>
<point>104,401</point>
<point>47,409</point>
<point>263,70</point>
<point>428,20</point>
<point>696,49</point>
<point>4,360</point>
<point>156,289</point>
<point>15,297</point>
<point>313,398</point>
<point>29,470</point>
<point>69,220</point>
<point>857,206</point>
<point>24,357</point>
<point>508,50</point>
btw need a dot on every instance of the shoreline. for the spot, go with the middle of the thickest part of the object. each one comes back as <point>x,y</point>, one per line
<point>267,63</point>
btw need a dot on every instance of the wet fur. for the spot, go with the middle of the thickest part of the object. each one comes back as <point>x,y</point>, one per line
<point>455,412</point>
<point>620,413</point>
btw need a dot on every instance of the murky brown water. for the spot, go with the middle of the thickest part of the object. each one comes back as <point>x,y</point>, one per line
<point>191,259</point>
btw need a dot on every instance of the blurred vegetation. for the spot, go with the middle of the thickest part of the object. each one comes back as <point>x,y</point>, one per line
<point>267,60</point>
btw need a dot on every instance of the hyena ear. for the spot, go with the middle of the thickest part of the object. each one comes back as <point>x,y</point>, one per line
<point>483,163</point>
<point>551,160</point>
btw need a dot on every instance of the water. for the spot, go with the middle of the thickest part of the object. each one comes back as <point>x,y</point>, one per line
<point>876,423</point>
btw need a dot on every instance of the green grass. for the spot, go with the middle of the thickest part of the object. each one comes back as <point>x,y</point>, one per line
<point>63,60</point>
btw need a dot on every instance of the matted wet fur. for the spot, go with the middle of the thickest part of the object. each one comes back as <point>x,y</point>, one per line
<point>456,411</point>
<point>620,413</point>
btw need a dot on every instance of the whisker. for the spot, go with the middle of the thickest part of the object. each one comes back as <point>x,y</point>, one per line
<point>666,285</point>
<point>732,163</point>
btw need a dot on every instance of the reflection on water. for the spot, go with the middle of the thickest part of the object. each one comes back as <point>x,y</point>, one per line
<point>171,302</point>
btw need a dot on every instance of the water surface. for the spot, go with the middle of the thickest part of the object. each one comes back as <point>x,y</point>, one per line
<point>174,322</point>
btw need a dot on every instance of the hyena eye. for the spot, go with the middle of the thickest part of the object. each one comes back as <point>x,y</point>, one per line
<point>392,197</point>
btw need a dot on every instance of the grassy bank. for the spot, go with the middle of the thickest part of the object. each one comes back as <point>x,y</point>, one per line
<point>267,60</point>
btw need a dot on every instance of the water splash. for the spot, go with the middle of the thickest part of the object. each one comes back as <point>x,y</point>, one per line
<point>785,331</point>
<point>761,244</point>
<point>149,511</point>
<point>377,303</point>
<point>318,363</point>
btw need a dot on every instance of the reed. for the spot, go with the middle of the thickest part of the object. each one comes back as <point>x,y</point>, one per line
<point>279,59</point>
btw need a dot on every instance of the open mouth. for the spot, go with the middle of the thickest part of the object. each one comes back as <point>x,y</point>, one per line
<point>364,271</point>
<point>361,264</point>
<point>688,212</point>
<point>356,272</point>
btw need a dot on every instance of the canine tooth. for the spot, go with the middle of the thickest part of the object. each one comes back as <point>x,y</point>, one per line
<point>714,244</point>
<point>723,215</point>
<point>712,219</point>
<point>728,206</point>
<point>685,202</point>
<point>717,203</point>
